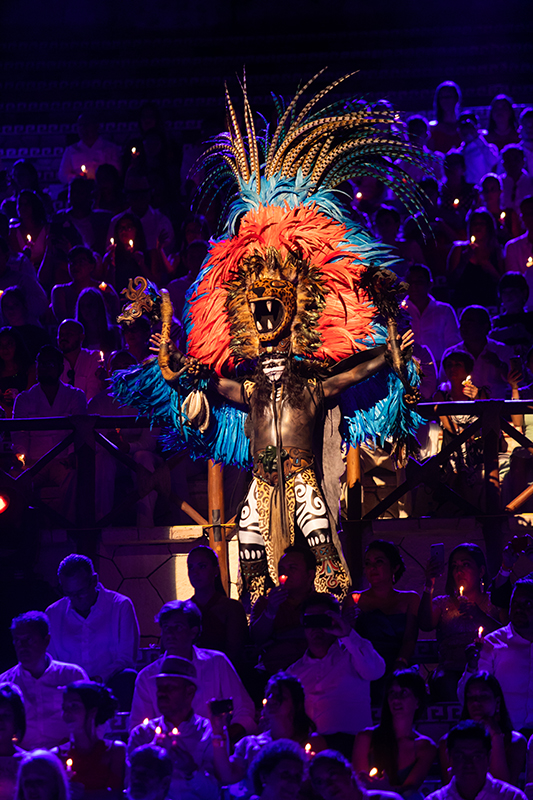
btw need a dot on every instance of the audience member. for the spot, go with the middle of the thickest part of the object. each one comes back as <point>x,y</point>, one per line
<point>283,717</point>
<point>457,615</point>
<point>95,628</point>
<point>194,229</point>
<point>387,616</point>
<point>491,359</point>
<point>17,373</point>
<point>83,158</point>
<point>506,654</point>
<point>80,222</point>
<point>126,256</point>
<point>388,222</point>
<point>276,618</point>
<point>480,156</point>
<point>98,765</point>
<point>484,702</point>
<point>150,773</point>
<point>401,755</point>
<point>193,258</point>
<point>109,195</point>
<point>42,777</point>
<point>513,326</point>
<point>12,730</point>
<point>525,131</point>
<point>181,624</point>
<point>516,182</point>
<point>34,295</point>
<point>49,398</point>
<point>81,367</point>
<point>178,729</point>
<point>333,778</point>
<point>434,323</point>
<point>519,251</point>
<point>278,771</point>
<point>14,313</point>
<point>81,267</point>
<point>371,194</point>
<point>92,314</point>
<point>443,130</point>
<point>137,338</point>
<point>490,198</point>
<point>156,226</point>
<point>335,672</point>
<point>24,176</point>
<point>502,122</point>
<point>29,235</point>
<point>418,134</point>
<point>456,196</point>
<point>224,624</point>
<point>469,747</point>
<point>502,588</point>
<point>41,681</point>
<point>475,266</point>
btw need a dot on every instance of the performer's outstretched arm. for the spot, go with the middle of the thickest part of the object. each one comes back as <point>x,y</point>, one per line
<point>338,383</point>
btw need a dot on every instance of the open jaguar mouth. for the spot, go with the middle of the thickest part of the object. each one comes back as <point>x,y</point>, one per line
<point>268,314</point>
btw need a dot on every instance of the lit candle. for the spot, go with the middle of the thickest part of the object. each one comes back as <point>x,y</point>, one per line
<point>131,243</point>
<point>502,216</point>
<point>307,748</point>
<point>84,169</point>
<point>146,721</point>
<point>456,202</point>
<point>359,195</point>
<point>480,632</point>
<point>111,241</point>
<point>467,380</point>
<point>28,238</point>
<point>356,596</point>
<point>158,730</point>
<point>22,458</point>
<point>282,579</point>
<point>529,262</point>
<point>103,286</point>
<point>461,591</point>
<point>373,772</point>
<point>101,355</point>
<point>133,150</point>
<point>264,701</point>
<point>472,239</point>
<point>175,732</point>
<point>69,763</point>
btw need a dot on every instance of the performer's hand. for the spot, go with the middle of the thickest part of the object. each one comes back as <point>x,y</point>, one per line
<point>275,598</point>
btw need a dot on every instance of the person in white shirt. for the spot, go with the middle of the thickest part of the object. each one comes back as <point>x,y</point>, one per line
<point>335,672</point>
<point>333,778</point>
<point>469,745</point>
<point>83,158</point>
<point>187,736</point>
<point>519,251</point>
<point>480,156</point>
<point>181,622</point>
<point>157,227</point>
<point>41,680</point>
<point>434,324</point>
<point>95,627</point>
<point>81,367</point>
<point>49,398</point>
<point>491,358</point>
<point>516,182</point>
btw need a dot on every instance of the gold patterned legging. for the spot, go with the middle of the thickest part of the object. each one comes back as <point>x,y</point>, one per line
<point>262,542</point>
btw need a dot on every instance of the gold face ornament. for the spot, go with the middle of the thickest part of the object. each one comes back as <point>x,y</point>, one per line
<point>272,302</point>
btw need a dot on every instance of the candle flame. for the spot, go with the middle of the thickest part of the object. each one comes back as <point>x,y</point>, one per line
<point>131,243</point>
<point>175,732</point>
<point>282,579</point>
<point>472,239</point>
<point>359,195</point>
<point>111,241</point>
<point>356,596</point>
<point>28,238</point>
<point>103,286</point>
<point>529,262</point>
<point>480,632</point>
<point>373,772</point>
<point>83,168</point>
<point>307,747</point>
<point>101,355</point>
<point>146,721</point>
<point>502,215</point>
<point>133,150</point>
<point>158,730</point>
<point>69,763</point>
<point>461,591</point>
<point>456,201</point>
<point>264,701</point>
<point>22,458</point>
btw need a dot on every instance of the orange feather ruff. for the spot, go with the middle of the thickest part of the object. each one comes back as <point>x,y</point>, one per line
<point>319,241</point>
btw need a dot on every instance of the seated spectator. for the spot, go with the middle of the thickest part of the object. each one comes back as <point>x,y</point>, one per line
<point>469,747</point>
<point>502,588</point>
<point>525,131</point>
<point>29,235</point>
<point>83,158</point>
<point>91,312</point>
<point>484,702</point>
<point>516,182</point>
<point>456,196</point>
<point>443,130</point>
<point>371,194</point>
<point>80,366</point>
<point>178,729</point>
<point>94,627</point>
<point>333,778</point>
<point>480,156</point>
<point>502,122</point>
<point>434,323</point>
<point>193,258</point>
<point>491,359</point>
<point>41,681</point>
<point>475,266</point>
<point>490,198</point>
<point>402,756</point>
<point>109,194</point>
<point>98,765</point>
<point>387,616</point>
<point>127,255</point>
<point>519,251</point>
<point>194,229</point>
<point>23,177</point>
<point>457,615</point>
<point>81,267</point>
<point>34,295</point>
<point>181,623</point>
<point>278,771</point>
<point>17,372</point>
<point>388,223</point>
<point>14,312</point>
<point>224,624</point>
<point>505,653</point>
<point>513,326</point>
<point>12,730</point>
<point>335,672</point>
<point>150,773</point>
<point>156,226</point>
<point>49,398</point>
<point>418,134</point>
<point>283,717</point>
<point>80,222</point>
<point>42,776</point>
<point>276,618</point>
<point>137,339</point>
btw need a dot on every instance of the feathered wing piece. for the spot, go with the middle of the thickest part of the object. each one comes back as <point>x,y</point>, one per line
<point>285,224</point>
